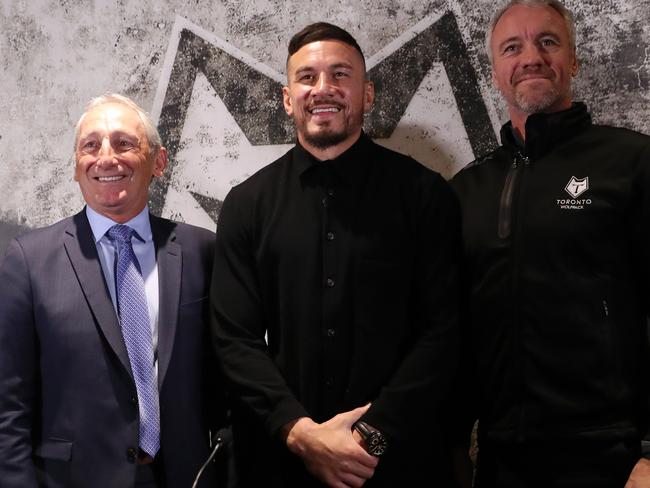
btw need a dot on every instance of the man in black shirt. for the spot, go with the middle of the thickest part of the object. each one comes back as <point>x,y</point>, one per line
<point>344,255</point>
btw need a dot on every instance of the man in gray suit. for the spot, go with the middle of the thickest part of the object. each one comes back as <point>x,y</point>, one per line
<point>104,373</point>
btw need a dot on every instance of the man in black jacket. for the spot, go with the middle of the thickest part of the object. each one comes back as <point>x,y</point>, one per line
<point>345,255</point>
<point>556,225</point>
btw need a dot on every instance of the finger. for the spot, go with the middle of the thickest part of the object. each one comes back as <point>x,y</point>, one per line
<point>350,417</point>
<point>353,480</point>
<point>344,481</point>
<point>340,484</point>
<point>361,475</point>
<point>359,462</point>
<point>357,470</point>
<point>365,459</point>
<point>357,455</point>
<point>357,438</point>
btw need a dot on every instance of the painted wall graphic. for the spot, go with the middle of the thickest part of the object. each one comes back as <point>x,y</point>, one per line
<point>211,74</point>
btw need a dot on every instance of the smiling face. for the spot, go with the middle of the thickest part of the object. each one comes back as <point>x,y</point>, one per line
<point>114,162</point>
<point>327,95</point>
<point>533,60</point>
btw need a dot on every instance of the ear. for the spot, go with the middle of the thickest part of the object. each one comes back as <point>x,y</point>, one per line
<point>495,81</point>
<point>77,169</point>
<point>286,99</point>
<point>160,162</point>
<point>575,65</point>
<point>368,96</point>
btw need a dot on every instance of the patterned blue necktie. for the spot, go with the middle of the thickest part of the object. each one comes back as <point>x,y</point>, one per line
<point>136,330</point>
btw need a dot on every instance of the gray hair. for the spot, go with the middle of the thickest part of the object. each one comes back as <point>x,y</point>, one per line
<point>150,129</point>
<point>566,14</point>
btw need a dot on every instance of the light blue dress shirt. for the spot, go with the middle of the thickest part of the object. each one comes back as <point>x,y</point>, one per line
<point>144,250</point>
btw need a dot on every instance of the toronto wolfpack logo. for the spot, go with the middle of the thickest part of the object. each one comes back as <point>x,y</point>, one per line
<point>221,115</point>
<point>577,186</point>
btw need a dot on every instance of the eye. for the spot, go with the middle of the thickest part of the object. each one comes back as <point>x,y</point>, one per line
<point>89,145</point>
<point>124,144</point>
<point>306,77</point>
<point>548,41</point>
<point>340,74</point>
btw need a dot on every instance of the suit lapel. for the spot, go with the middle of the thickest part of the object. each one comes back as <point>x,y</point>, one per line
<point>169,258</point>
<point>81,249</point>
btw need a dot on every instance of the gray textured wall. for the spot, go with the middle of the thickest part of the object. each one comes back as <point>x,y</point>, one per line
<point>211,71</point>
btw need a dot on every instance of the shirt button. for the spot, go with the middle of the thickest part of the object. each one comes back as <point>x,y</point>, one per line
<point>324,202</point>
<point>330,192</point>
<point>134,400</point>
<point>331,332</point>
<point>330,282</point>
<point>330,236</point>
<point>329,381</point>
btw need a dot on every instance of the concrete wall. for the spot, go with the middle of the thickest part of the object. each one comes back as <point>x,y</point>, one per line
<point>211,71</point>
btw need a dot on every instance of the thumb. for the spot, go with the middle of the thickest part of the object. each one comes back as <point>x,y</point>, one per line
<point>350,417</point>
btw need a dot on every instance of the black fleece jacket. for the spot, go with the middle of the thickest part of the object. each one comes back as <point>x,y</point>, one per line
<point>557,260</point>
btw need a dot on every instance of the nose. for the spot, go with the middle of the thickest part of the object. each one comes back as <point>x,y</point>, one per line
<point>105,154</point>
<point>532,55</point>
<point>323,84</point>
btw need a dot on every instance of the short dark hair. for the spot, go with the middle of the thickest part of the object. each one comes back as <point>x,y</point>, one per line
<point>322,31</point>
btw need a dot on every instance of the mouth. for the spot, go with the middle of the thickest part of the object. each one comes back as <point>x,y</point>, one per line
<point>109,179</point>
<point>532,77</point>
<point>324,110</point>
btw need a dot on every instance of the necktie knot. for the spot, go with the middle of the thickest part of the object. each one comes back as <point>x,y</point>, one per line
<point>121,233</point>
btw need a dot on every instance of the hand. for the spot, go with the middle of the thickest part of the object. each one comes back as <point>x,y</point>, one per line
<point>358,439</point>
<point>640,475</point>
<point>329,450</point>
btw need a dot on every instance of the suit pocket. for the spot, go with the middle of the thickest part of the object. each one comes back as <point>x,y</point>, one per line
<point>194,312</point>
<point>57,449</point>
<point>52,463</point>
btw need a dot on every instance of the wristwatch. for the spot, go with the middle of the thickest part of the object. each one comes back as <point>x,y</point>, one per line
<point>375,442</point>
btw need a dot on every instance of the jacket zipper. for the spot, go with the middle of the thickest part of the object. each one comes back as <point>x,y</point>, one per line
<point>506,218</point>
<point>505,206</point>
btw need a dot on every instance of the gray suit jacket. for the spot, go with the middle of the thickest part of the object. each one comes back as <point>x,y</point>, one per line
<point>68,404</point>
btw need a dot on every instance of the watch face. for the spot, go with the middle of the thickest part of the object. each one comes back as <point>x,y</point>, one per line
<point>376,444</point>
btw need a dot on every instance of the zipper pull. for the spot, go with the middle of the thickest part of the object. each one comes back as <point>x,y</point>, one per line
<point>520,157</point>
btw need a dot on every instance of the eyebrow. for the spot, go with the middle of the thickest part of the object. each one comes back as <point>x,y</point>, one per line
<point>549,33</point>
<point>519,38</point>
<point>89,135</point>
<point>113,135</point>
<point>307,68</point>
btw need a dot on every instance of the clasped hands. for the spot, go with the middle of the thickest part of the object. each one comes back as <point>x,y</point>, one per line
<point>332,451</point>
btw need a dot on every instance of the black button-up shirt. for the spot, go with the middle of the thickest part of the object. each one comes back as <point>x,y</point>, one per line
<point>349,265</point>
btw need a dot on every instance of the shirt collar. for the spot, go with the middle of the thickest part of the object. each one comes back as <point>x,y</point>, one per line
<point>100,224</point>
<point>545,131</point>
<point>350,166</point>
